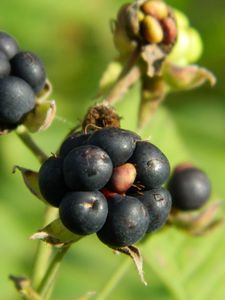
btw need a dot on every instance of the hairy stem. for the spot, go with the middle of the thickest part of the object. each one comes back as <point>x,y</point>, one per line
<point>49,278</point>
<point>25,137</point>
<point>114,280</point>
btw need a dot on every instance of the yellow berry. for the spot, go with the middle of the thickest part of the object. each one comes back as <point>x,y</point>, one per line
<point>152,30</point>
<point>156,9</point>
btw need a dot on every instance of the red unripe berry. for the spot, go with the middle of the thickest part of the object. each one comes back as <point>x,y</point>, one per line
<point>122,178</point>
<point>170,30</point>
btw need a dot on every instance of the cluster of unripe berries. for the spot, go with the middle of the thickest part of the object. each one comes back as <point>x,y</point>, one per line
<point>108,181</point>
<point>146,22</point>
<point>22,77</point>
<point>157,23</point>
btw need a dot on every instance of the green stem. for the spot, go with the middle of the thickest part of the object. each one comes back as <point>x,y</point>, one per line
<point>43,251</point>
<point>128,76</point>
<point>49,277</point>
<point>114,280</point>
<point>25,137</point>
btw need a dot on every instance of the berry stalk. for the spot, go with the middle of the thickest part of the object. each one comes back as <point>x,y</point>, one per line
<point>25,137</point>
<point>114,279</point>
<point>49,277</point>
<point>128,76</point>
<point>43,252</point>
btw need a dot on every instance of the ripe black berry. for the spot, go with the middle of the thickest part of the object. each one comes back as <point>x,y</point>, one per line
<point>87,168</point>
<point>73,141</point>
<point>158,203</point>
<point>4,65</point>
<point>51,181</point>
<point>30,68</point>
<point>126,223</point>
<point>16,99</point>
<point>83,212</point>
<point>8,45</point>
<point>152,165</point>
<point>189,187</point>
<point>118,143</point>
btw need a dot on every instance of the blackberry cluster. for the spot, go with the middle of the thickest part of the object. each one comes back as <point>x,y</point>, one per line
<point>108,182</point>
<point>22,77</point>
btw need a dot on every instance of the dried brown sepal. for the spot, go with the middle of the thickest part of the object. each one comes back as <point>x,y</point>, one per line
<point>30,179</point>
<point>99,116</point>
<point>56,234</point>
<point>136,256</point>
<point>153,57</point>
<point>23,285</point>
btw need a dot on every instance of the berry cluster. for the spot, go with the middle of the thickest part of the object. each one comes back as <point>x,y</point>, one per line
<point>22,77</point>
<point>144,23</point>
<point>108,181</point>
<point>157,23</point>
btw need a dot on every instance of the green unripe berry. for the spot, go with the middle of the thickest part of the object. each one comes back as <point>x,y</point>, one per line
<point>195,44</point>
<point>181,19</point>
<point>188,47</point>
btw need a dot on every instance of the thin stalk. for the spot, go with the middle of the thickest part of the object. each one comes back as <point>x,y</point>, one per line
<point>25,137</point>
<point>114,280</point>
<point>49,277</point>
<point>43,251</point>
<point>128,76</point>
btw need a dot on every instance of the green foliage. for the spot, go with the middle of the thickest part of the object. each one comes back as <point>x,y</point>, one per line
<point>74,40</point>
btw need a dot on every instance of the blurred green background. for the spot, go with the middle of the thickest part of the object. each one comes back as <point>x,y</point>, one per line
<point>74,40</point>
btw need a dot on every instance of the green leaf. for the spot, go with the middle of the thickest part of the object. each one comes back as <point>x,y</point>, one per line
<point>41,117</point>
<point>56,234</point>
<point>30,179</point>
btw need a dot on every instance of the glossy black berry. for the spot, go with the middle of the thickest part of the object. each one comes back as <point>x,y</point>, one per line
<point>158,203</point>
<point>152,165</point>
<point>126,223</point>
<point>87,168</point>
<point>189,187</point>
<point>83,212</point>
<point>73,141</point>
<point>16,99</point>
<point>8,45</point>
<point>118,143</point>
<point>51,181</point>
<point>4,65</point>
<point>30,68</point>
